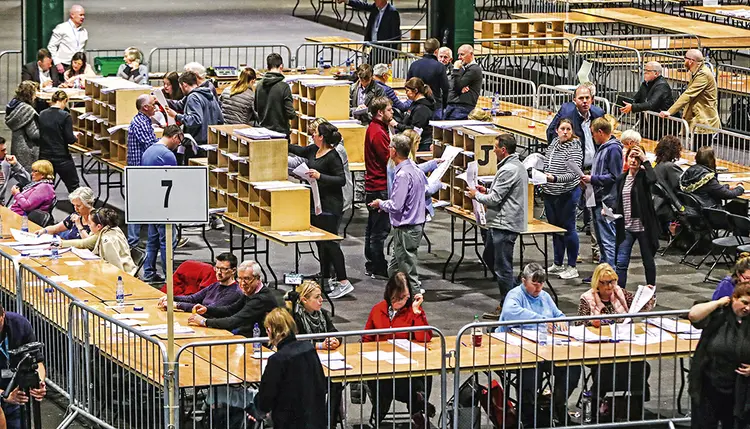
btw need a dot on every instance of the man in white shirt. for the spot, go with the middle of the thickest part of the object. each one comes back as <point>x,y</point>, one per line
<point>68,38</point>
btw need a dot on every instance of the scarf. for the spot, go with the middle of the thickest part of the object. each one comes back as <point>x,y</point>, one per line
<point>312,323</point>
<point>32,184</point>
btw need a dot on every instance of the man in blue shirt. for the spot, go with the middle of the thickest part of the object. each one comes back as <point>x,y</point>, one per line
<point>528,301</point>
<point>383,24</point>
<point>160,154</point>
<point>141,136</point>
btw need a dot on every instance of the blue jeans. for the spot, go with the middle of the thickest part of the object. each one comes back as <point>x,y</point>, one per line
<point>455,112</point>
<point>134,234</point>
<point>625,249</point>
<point>438,114</point>
<point>605,236</point>
<point>498,255</point>
<point>561,211</point>
<point>12,416</point>
<point>157,241</point>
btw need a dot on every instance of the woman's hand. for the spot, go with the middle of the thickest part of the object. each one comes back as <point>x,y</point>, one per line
<point>199,309</point>
<point>197,320</point>
<point>723,301</point>
<point>134,65</point>
<point>313,174</point>
<point>417,303</point>
<point>331,343</point>
<point>15,190</point>
<point>161,304</point>
<point>743,370</point>
<point>11,159</point>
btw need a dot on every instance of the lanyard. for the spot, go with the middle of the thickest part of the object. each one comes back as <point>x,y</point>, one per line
<point>75,34</point>
<point>4,351</point>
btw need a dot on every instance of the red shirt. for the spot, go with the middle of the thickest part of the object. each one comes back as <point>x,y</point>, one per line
<point>404,318</point>
<point>377,153</point>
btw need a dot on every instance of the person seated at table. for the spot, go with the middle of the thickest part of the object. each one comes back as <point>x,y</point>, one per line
<point>225,291</point>
<point>238,99</point>
<point>241,316</point>
<point>528,301</point>
<point>740,273</point>
<point>399,309</point>
<point>719,379</point>
<point>606,297</point>
<point>192,276</point>
<point>668,151</point>
<point>39,194</point>
<point>106,240</point>
<point>76,225</point>
<point>293,387</point>
<point>420,112</point>
<point>11,170</point>
<point>79,68</point>
<point>362,93</point>
<point>306,305</point>
<point>133,70</point>
<point>700,180</point>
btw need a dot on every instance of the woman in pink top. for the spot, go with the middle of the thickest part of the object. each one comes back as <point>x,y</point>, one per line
<point>39,193</point>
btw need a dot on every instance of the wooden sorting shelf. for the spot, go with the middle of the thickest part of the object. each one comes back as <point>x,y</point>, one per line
<point>522,29</point>
<point>317,97</point>
<point>272,205</point>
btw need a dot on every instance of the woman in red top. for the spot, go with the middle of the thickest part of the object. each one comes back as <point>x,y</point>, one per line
<point>399,310</point>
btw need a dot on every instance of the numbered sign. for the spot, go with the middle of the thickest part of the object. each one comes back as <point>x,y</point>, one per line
<point>166,194</point>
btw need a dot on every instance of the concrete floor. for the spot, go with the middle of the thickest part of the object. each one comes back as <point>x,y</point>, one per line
<point>224,22</point>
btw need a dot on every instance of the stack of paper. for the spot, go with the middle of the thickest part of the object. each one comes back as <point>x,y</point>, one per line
<point>260,133</point>
<point>28,238</point>
<point>334,361</point>
<point>583,334</point>
<point>84,254</point>
<point>673,326</point>
<point>407,345</point>
<point>393,358</point>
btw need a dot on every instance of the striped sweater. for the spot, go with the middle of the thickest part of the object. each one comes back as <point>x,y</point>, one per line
<point>558,155</point>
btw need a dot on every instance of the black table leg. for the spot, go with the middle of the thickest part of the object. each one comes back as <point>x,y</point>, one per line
<point>453,246</point>
<point>546,264</point>
<point>205,240</point>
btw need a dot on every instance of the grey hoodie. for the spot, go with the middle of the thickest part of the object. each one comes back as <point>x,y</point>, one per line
<point>201,110</point>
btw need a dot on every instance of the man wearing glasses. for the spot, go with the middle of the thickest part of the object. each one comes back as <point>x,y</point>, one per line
<point>159,154</point>
<point>699,101</point>
<point>225,291</point>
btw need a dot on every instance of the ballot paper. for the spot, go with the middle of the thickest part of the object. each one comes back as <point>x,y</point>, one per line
<point>583,334</point>
<point>673,326</point>
<point>660,42</point>
<point>29,238</point>
<point>159,94</point>
<point>574,167</point>
<point>507,338</point>
<point>535,160</point>
<point>301,171</point>
<point>84,254</point>
<point>77,283</point>
<point>260,133</point>
<point>56,279</point>
<point>121,316</point>
<point>537,177</point>
<point>472,171</point>
<point>407,345</point>
<point>112,130</point>
<point>334,361</point>
<point>531,334</point>
<point>609,215</point>
<point>73,263</point>
<point>449,154</point>
<point>394,358</point>
<point>588,192</point>
<point>642,296</point>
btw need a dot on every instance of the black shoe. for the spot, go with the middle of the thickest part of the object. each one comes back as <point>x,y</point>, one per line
<point>379,275</point>
<point>156,278</point>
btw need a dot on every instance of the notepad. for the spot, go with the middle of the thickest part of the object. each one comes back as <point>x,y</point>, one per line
<point>407,345</point>
<point>77,283</point>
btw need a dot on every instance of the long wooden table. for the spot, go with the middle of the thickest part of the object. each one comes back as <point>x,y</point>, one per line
<point>716,11</point>
<point>725,81</point>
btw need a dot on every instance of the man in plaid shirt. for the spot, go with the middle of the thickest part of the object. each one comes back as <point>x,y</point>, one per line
<point>140,136</point>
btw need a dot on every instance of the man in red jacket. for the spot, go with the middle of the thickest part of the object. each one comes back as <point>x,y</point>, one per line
<point>377,143</point>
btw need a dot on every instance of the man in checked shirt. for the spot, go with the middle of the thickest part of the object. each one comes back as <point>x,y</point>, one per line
<point>140,136</point>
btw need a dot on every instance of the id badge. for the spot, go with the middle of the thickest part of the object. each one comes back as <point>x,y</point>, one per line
<point>6,374</point>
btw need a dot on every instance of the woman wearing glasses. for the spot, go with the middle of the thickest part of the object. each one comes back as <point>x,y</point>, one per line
<point>106,240</point>
<point>39,194</point>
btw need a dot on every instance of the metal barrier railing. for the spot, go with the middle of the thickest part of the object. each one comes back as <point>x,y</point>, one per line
<point>10,298</point>
<point>340,55</point>
<point>10,76</point>
<point>615,69</point>
<point>733,83</point>
<point>173,58</point>
<point>729,147</point>
<point>402,372</point>
<point>508,88</point>
<point>653,127</point>
<point>632,371</point>
<point>552,97</point>
<point>674,44</point>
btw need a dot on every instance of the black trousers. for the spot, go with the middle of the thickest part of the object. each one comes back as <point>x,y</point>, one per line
<point>411,391</point>
<point>714,407</point>
<point>66,169</point>
<point>376,231</point>
<point>330,251</point>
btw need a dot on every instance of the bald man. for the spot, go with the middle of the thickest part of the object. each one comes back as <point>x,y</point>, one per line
<point>699,101</point>
<point>467,82</point>
<point>68,38</point>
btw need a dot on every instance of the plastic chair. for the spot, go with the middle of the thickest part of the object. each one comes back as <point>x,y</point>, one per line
<point>675,207</point>
<point>722,228</point>
<point>693,220</point>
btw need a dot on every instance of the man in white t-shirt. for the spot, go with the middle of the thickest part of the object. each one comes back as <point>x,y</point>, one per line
<point>68,38</point>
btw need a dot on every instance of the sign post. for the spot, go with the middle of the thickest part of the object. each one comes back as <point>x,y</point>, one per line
<point>167,195</point>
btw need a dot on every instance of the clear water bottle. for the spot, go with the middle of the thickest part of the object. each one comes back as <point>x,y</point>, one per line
<point>495,103</point>
<point>256,334</point>
<point>321,69</point>
<point>586,407</point>
<point>120,291</point>
<point>348,65</point>
<point>55,251</point>
<point>25,224</point>
<point>542,335</point>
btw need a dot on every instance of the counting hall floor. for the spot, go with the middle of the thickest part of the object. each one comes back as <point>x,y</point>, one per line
<point>146,24</point>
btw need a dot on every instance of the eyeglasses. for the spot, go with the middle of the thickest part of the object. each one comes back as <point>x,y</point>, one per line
<point>223,269</point>
<point>608,282</point>
<point>246,279</point>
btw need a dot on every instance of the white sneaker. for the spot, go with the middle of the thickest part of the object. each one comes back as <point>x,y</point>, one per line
<point>555,269</point>
<point>340,290</point>
<point>568,273</point>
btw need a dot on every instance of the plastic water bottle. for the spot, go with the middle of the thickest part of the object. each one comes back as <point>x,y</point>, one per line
<point>586,406</point>
<point>542,335</point>
<point>348,65</point>
<point>120,291</point>
<point>1,226</point>
<point>25,224</point>
<point>321,69</point>
<point>55,251</point>
<point>256,334</point>
<point>495,103</point>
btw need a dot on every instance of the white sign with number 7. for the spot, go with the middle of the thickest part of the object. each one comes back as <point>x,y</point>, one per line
<point>166,194</point>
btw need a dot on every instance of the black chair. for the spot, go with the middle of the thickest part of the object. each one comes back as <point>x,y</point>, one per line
<point>677,211</point>
<point>722,229</point>
<point>741,232</point>
<point>139,257</point>
<point>41,218</point>
<point>692,219</point>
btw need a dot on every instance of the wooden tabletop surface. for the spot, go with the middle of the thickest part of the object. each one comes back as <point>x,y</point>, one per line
<point>569,17</point>
<point>717,10</point>
<point>726,81</point>
<point>535,226</point>
<point>276,236</point>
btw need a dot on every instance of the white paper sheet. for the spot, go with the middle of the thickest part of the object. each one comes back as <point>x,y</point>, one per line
<point>642,296</point>
<point>162,329</point>
<point>574,167</point>
<point>29,238</point>
<point>73,263</point>
<point>406,345</point>
<point>507,338</point>
<point>382,355</point>
<point>449,154</point>
<point>264,353</point>
<point>259,133</point>
<point>77,283</point>
<point>400,361</point>
<point>472,171</point>
<point>537,177</point>
<point>84,254</point>
<point>590,197</point>
<point>582,333</point>
<point>159,94</point>
<point>584,73</point>
<point>609,215</point>
<point>121,316</point>
<point>57,278</point>
<point>487,129</point>
<point>535,160</point>
<point>112,130</point>
<point>670,325</point>
<point>301,171</point>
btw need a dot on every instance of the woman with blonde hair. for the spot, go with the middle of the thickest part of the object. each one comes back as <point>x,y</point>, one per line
<point>39,194</point>
<point>295,363</point>
<point>22,119</point>
<point>238,99</point>
<point>133,70</point>
<point>606,297</point>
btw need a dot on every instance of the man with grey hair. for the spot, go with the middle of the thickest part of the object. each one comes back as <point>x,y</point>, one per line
<point>68,38</point>
<point>699,101</point>
<point>654,94</point>
<point>200,73</point>
<point>406,209</point>
<point>380,74</point>
<point>467,83</point>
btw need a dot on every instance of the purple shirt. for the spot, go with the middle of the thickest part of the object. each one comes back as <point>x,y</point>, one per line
<point>215,294</point>
<point>724,288</point>
<point>406,205</point>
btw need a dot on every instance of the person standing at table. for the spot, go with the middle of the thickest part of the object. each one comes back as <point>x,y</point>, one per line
<point>42,71</point>
<point>362,93</point>
<point>383,25</point>
<point>68,38</point>
<point>420,112</point>
<point>141,136</point>
<point>56,133</point>
<point>224,291</point>
<point>507,212</point>
<point>406,210</point>
<point>22,119</point>
<point>699,101</point>
<point>160,154</point>
<point>238,99</point>
<point>377,153</point>
<point>273,98</point>
<point>432,73</point>
<point>467,84</point>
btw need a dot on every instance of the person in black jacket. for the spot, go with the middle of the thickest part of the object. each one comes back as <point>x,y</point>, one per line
<point>467,83</point>
<point>240,317</point>
<point>700,181</point>
<point>420,112</point>
<point>638,221</point>
<point>654,95</point>
<point>720,371</point>
<point>56,133</point>
<point>383,24</point>
<point>432,73</point>
<point>327,169</point>
<point>41,71</point>
<point>293,387</point>
<point>273,97</point>
<point>668,151</point>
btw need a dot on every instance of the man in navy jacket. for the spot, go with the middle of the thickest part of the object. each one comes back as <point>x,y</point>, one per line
<point>383,24</point>
<point>581,113</point>
<point>432,73</point>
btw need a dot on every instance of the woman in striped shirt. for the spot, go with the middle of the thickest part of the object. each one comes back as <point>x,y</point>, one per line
<point>561,194</point>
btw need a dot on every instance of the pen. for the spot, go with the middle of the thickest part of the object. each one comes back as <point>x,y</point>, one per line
<point>464,344</point>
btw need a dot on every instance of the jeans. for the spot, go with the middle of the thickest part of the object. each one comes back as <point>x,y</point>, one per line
<point>13,415</point>
<point>498,254</point>
<point>625,249</point>
<point>605,236</point>
<point>66,169</point>
<point>455,112</point>
<point>134,234</point>
<point>406,240</point>
<point>330,251</point>
<point>157,242</point>
<point>561,211</point>
<point>376,231</point>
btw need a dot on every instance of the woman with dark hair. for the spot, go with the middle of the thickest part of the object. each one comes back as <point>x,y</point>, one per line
<point>171,86</point>
<point>106,240</point>
<point>78,69</point>
<point>327,169</point>
<point>56,130</point>
<point>399,309</point>
<point>700,181</point>
<point>238,100</point>
<point>22,119</point>
<point>720,370</point>
<point>420,111</point>
<point>668,152</point>
<point>638,221</point>
<point>740,274</point>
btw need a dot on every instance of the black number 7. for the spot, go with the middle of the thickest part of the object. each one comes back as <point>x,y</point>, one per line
<point>168,185</point>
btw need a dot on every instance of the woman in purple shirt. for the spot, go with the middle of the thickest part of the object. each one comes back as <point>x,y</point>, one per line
<point>224,292</point>
<point>740,273</point>
<point>39,194</point>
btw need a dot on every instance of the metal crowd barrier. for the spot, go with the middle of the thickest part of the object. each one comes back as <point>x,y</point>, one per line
<point>728,146</point>
<point>615,69</point>
<point>733,84</point>
<point>218,379</point>
<point>508,88</point>
<point>10,76</point>
<point>341,54</point>
<point>674,44</point>
<point>629,375</point>
<point>653,127</point>
<point>552,97</point>
<point>173,58</point>
<point>9,296</point>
